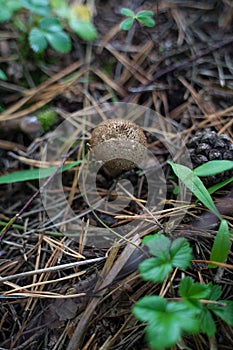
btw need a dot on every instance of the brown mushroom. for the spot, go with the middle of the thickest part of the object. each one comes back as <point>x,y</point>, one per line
<point>119,144</point>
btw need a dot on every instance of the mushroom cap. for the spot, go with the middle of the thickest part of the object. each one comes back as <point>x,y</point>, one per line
<point>119,143</point>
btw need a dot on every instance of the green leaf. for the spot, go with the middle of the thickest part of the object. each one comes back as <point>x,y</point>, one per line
<point>213,167</point>
<point>144,14</point>
<point>158,245</point>
<point>127,12</point>
<point>37,40</point>
<point>127,23</point>
<point>145,308</point>
<point>5,14</point>
<point>155,269</point>
<point>195,185</point>
<point>2,75</point>
<point>167,321</point>
<point>60,8</point>
<point>224,312</point>
<point>221,244</point>
<point>207,324</point>
<point>181,253</point>
<point>13,5</point>
<point>33,174</point>
<point>148,22</point>
<point>190,289</point>
<point>167,255</point>
<point>8,8</point>
<point>60,41</point>
<point>214,292</point>
<point>50,24</point>
<point>40,7</point>
<point>86,30</point>
<point>219,185</point>
<point>145,17</point>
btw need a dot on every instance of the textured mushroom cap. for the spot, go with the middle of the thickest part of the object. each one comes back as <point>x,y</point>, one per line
<point>119,143</point>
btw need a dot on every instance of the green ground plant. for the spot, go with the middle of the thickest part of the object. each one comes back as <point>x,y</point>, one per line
<point>198,304</point>
<point>142,17</point>
<point>195,308</point>
<point>48,22</point>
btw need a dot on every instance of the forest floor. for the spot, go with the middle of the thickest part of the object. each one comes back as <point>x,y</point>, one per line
<point>82,295</point>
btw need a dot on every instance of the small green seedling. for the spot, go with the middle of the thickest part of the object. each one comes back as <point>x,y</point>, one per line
<point>192,311</point>
<point>142,17</point>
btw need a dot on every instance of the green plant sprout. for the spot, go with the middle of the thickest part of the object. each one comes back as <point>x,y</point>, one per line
<point>34,174</point>
<point>142,17</point>
<point>192,312</point>
<point>191,179</point>
<point>49,22</point>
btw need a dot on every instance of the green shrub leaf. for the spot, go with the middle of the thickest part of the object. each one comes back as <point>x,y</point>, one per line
<point>127,12</point>
<point>158,245</point>
<point>60,41</point>
<point>37,40</point>
<point>127,23</point>
<point>86,30</point>
<point>192,291</point>
<point>224,312</point>
<point>8,8</point>
<point>155,269</point>
<point>50,24</point>
<point>213,167</point>
<point>214,292</point>
<point>13,5</point>
<point>60,8</point>
<point>167,321</point>
<point>207,324</point>
<point>40,7</point>
<point>5,14</point>
<point>221,244</point>
<point>195,185</point>
<point>33,174</point>
<point>181,253</point>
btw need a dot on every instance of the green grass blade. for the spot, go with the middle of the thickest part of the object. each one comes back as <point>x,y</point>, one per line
<point>213,167</point>
<point>216,187</point>
<point>195,185</point>
<point>33,174</point>
<point>221,244</point>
